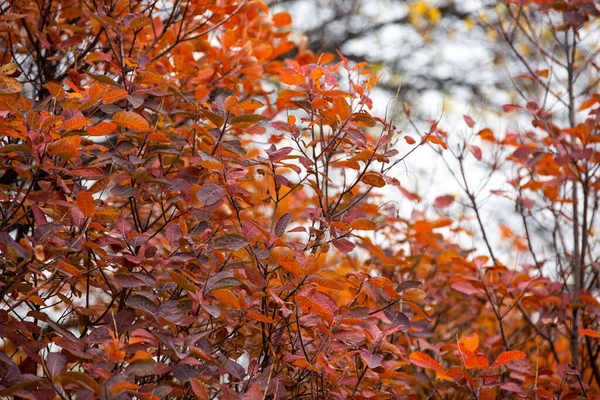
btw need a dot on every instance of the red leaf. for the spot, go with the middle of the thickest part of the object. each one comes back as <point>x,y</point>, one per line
<point>230,242</point>
<point>443,201</point>
<point>469,121</point>
<point>465,287</point>
<point>372,360</point>
<point>282,223</point>
<point>475,150</point>
<point>343,245</point>
<point>589,332</point>
<point>210,193</point>
<point>511,107</point>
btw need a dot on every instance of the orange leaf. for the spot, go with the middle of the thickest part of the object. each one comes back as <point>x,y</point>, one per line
<point>476,362</point>
<point>290,78</point>
<point>414,294</point>
<point>131,120</point>
<point>346,164</point>
<point>363,224</point>
<point>341,107</point>
<point>291,265</point>
<point>424,361</point>
<point>76,123</point>
<point>56,90</point>
<point>227,297</point>
<point>282,19</point>
<point>139,354</point>
<point>86,204</point>
<point>123,386</point>
<point>486,134</point>
<point>114,352</point>
<point>589,332</point>
<point>102,129</point>
<point>587,104</point>
<point>260,317</point>
<point>470,342</point>
<point>508,356</point>
<point>68,268</point>
<point>437,140</point>
<point>63,148</point>
<point>114,96</point>
<point>373,179</point>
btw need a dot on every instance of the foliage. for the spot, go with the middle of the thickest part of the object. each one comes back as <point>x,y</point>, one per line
<point>186,213</point>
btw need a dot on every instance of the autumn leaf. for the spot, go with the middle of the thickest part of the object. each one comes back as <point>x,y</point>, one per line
<point>511,107</point>
<point>443,201</point>
<point>101,129</point>
<point>282,19</point>
<point>86,204</point>
<point>230,242</point>
<point>130,120</point>
<point>475,150</point>
<point>210,193</point>
<point>343,245</point>
<point>260,317</point>
<point>76,123</point>
<point>589,332</point>
<point>363,224</point>
<point>470,342</point>
<point>120,387</point>
<point>465,287</point>
<point>373,179</point>
<point>425,361</point>
<point>469,121</point>
<point>227,297</point>
<point>63,148</point>
<point>508,356</point>
<point>282,224</point>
